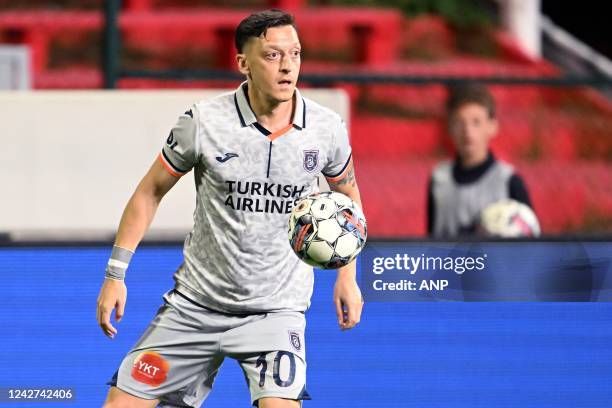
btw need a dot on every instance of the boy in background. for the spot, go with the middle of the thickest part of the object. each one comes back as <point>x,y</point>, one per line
<point>460,189</point>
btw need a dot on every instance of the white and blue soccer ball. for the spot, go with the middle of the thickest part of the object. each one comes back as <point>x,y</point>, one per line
<point>327,230</point>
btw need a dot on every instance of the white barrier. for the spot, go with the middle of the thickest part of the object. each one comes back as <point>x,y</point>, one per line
<point>71,160</point>
<point>14,67</point>
<point>522,19</point>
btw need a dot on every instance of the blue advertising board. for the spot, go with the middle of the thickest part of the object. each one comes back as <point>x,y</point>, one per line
<point>402,354</point>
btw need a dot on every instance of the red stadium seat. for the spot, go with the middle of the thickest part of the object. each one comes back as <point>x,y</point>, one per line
<point>558,139</point>
<point>376,31</point>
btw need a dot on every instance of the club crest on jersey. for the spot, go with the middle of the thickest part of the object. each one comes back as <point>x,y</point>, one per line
<point>311,160</point>
<point>294,338</point>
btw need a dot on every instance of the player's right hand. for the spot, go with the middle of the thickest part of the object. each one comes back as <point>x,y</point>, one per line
<point>113,295</point>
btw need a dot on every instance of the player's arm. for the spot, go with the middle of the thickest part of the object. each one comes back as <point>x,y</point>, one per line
<point>137,216</point>
<point>431,208</point>
<point>347,296</point>
<point>346,183</point>
<point>142,206</point>
<point>340,175</point>
<point>518,191</point>
<point>177,157</point>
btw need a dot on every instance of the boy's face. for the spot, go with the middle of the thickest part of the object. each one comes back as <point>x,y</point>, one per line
<point>471,129</point>
<point>272,62</point>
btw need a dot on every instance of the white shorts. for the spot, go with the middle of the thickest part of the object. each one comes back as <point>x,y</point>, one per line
<point>177,358</point>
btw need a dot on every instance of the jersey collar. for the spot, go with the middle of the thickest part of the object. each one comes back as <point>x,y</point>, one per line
<point>470,175</point>
<point>247,116</point>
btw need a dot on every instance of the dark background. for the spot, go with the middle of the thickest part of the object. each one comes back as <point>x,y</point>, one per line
<point>588,20</point>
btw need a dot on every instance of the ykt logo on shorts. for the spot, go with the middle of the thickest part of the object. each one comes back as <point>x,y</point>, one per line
<point>150,368</point>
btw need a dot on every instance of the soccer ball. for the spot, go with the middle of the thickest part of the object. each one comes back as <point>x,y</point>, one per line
<point>327,230</point>
<point>509,219</point>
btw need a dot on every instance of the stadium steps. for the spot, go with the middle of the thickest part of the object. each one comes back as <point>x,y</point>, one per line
<point>558,140</point>
<point>376,30</point>
<point>567,196</point>
<point>571,196</point>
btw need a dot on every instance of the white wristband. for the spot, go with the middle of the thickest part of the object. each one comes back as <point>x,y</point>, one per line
<point>118,263</point>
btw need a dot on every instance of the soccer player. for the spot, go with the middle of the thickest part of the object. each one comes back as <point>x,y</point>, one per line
<point>241,292</point>
<point>460,189</point>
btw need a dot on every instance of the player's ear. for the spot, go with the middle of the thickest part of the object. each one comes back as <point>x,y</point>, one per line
<point>453,126</point>
<point>494,127</point>
<point>243,66</point>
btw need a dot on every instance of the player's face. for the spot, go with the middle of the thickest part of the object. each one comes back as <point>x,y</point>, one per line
<point>472,129</point>
<point>272,63</point>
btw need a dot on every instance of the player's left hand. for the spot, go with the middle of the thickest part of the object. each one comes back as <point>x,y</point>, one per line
<point>348,301</point>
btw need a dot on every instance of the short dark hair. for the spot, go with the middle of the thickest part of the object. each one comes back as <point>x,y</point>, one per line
<point>258,23</point>
<point>460,95</point>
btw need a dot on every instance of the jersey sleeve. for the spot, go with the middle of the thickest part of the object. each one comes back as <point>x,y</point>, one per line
<point>518,191</point>
<point>179,153</point>
<point>431,207</point>
<point>340,154</point>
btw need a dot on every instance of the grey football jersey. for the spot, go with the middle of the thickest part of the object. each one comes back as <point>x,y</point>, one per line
<point>237,258</point>
<point>458,206</point>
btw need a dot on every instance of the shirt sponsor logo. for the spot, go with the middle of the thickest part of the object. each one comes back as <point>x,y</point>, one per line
<point>311,160</point>
<point>150,368</point>
<point>254,196</point>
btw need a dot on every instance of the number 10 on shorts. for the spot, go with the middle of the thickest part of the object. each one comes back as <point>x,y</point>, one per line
<point>282,368</point>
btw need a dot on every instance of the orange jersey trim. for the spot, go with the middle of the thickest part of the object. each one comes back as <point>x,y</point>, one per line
<point>341,175</point>
<point>167,167</point>
<point>280,132</point>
